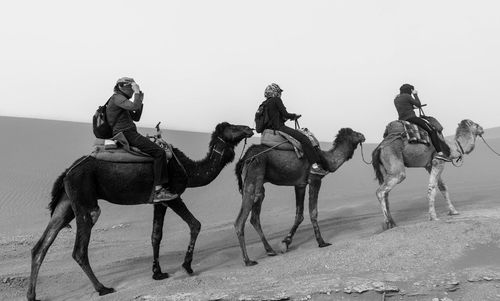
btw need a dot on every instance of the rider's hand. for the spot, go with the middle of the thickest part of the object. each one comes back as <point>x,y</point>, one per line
<point>136,88</point>
<point>297,116</point>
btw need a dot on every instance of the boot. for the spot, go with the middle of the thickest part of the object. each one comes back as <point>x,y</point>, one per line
<point>442,156</point>
<point>163,194</point>
<point>318,170</point>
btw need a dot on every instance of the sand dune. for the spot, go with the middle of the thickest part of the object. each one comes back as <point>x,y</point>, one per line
<point>39,150</point>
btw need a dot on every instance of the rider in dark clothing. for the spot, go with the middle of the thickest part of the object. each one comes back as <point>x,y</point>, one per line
<point>278,114</point>
<point>122,112</point>
<point>405,104</point>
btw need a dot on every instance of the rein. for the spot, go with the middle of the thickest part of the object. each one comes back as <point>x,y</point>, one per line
<point>363,157</point>
<point>489,146</point>
<point>461,158</point>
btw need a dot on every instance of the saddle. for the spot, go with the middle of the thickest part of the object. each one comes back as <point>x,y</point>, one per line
<point>410,131</point>
<point>282,141</point>
<point>117,149</point>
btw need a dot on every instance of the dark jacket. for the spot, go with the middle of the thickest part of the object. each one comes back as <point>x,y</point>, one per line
<point>277,113</point>
<point>119,106</point>
<point>405,104</point>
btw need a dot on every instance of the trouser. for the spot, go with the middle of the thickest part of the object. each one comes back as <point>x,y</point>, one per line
<point>152,149</point>
<point>311,153</point>
<point>432,133</point>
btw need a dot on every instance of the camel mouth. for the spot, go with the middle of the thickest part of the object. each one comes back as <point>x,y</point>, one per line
<point>248,132</point>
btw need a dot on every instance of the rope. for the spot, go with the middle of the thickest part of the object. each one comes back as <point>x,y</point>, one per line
<point>489,146</point>
<point>460,159</point>
<point>77,163</point>
<point>362,155</point>
<point>264,151</point>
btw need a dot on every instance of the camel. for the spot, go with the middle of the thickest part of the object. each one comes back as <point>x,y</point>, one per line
<point>260,164</point>
<point>394,154</point>
<point>76,192</point>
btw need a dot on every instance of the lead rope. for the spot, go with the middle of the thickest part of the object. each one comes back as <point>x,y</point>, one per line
<point>489,146</point>
<point>363,157</point>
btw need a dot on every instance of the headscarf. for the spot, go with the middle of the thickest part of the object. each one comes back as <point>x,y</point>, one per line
<point>272,90</point>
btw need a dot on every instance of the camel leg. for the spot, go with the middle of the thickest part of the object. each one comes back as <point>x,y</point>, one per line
<point>248,198</point>
<point>85,220</point>
<point>300,192</point>
<point>61,216</point>
<point>255,221</point>
<point>156,236</point>
<point>181,210</point>
<point>314,186</point>
<point>435,174</point>
<point>390,181</point>
<point>444,191</point>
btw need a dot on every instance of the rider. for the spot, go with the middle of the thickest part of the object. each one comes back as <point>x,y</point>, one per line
<point>405,104</point>
<point>278,114</point>
<point>122,112</point>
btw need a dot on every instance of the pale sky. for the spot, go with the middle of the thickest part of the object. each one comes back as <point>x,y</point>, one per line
<point>340,63</point>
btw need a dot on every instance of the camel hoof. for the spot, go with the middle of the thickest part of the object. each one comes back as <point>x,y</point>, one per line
<point>160,276</point>
<point>324,244</point>
<point>433,218</point>
<point>388,225</point>
<point>454,212</point>
<point>271,253</point>
<point>187,268</point>
<point>284,246</point>
<point>106,290</point>
<point>250,263</point>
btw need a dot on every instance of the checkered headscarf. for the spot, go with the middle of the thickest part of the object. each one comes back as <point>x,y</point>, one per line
<point>272,90</point>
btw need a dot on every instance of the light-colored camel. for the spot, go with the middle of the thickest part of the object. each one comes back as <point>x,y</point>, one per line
<point>280,167</point>
<point>394,154</point>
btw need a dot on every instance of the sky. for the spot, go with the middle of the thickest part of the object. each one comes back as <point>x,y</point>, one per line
<point>340,63</point>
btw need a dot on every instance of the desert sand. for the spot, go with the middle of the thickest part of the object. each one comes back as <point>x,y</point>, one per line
<point>454,258</point>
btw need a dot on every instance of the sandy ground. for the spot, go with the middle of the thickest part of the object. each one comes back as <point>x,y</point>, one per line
<point>455,258</point>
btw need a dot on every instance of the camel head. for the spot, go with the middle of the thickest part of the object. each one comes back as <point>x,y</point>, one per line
<point>349,136</point>
<point>466,134</point>
<point>230,133</point>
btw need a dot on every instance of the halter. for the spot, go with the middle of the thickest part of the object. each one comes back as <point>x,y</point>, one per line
<point>221,151</point>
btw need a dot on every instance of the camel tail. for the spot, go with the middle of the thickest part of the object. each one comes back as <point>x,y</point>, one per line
<point>377,166</point>
<point>239,170</point>
<point>58,187</point>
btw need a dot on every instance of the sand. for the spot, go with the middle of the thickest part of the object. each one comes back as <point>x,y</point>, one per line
<point>455,257</point>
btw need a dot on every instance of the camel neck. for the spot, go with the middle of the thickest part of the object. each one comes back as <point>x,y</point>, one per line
<point>201,173</point>
<point>338,155</point>
<point>465,143</point>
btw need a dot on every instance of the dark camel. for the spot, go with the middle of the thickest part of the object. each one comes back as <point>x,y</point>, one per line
<point>260,165</point>
<point>394,154</point>
<point>77,190</point>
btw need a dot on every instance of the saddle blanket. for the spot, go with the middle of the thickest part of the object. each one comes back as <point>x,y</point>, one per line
<point>117,149</point>
<point>282,141</point>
